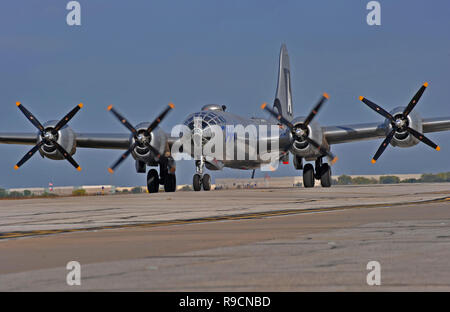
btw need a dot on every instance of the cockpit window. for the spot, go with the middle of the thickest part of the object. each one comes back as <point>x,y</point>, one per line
<point>209,118</point>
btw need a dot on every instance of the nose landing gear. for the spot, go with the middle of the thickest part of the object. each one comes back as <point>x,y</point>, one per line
<point>201,179</point>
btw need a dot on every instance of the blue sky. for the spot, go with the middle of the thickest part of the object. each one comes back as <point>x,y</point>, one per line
<point>140,55</point>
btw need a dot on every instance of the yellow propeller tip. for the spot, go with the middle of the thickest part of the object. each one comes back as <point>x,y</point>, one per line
<point>110,170</point>
<point>263,105</point>
<point>361,98</point>
<point>438,148</point>
<point>109,107</point>
<point>80,105</point>
<point>16,167</point>
<point>171,105</point>
<point>326,95</point>
<point>79,168</point>
<point>425,84</point>
<point>18,103</point>
<point>373,161</point>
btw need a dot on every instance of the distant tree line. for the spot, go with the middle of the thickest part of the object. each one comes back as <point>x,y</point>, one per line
<point>391,179</point>
<point>25,194</point>
<point>134,190</point>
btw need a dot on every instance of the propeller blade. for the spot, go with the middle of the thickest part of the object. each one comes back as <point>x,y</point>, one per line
<point>67,118</point>
<point>316,109</point>
<point>423,138</point>
<point>123,120</point>
<point>158,119</point>
<point>28,155</point>
<point>30,117</point>
<point>283,120</point>
<point>333,159</point>
<point>376,108</point>
<point>122,158</point>
<point>415,99</point>
<point>287,123</point>
<point>66,155</point>
<point>383,146</point>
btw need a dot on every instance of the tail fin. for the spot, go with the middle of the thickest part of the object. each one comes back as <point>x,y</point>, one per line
<point>283,97</point>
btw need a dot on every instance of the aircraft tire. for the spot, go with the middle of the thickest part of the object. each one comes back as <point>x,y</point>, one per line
<point>153,181</point>
<point>308,176</point>
<point>325,175</point>
<point>197,182</point>
<point>170,184</point>
<point>206,181</point>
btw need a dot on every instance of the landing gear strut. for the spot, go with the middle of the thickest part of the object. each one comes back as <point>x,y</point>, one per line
<point>201,179</point>
<point>322,173</point>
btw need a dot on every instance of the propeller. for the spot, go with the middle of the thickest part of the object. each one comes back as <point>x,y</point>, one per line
<point>300,131</point>
<point>49,136</point>
<point>140,138</point>
<point>399,122</point>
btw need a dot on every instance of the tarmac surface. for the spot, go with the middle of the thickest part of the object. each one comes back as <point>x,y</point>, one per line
<point>291,239</point>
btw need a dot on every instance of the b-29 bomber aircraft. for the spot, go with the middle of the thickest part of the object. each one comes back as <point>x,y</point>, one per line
<point>304,137</point>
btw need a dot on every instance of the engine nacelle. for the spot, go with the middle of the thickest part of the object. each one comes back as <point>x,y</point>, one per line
<point>65,137</point>
<point>157,138</point>
<point>303,148</point>
<point>404,138</point>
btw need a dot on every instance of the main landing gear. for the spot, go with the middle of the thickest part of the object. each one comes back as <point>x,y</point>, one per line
<point>166,177</point>
<point>322,173</point>
<point>201,179</point>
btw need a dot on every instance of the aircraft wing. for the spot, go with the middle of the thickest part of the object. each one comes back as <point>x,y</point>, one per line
<point>86,140</point>
<point>104,140</point>
<point>370,131</point>
<point>18,138</point>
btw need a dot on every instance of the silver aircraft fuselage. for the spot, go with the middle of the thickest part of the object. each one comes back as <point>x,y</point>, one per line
<point>246,142</point>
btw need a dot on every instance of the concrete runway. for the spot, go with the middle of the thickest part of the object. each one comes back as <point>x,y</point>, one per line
<point>291,239</point>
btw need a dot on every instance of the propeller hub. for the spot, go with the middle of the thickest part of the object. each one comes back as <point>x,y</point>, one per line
<point>400,123</point>
<point>142,138</point>
<point>49,136</point>
<point>299,132</point>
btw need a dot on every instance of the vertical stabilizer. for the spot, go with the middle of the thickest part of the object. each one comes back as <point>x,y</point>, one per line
<point>283,97</point>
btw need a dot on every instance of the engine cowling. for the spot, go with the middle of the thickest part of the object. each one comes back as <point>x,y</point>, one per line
<point>157,139</point>
<point>403,127</point>
<point>303,148</point>
<point>55,139</point>
<point>147,141</point>
<point>65,137</point>
<point>403,138</point>
<point>307,134</point>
